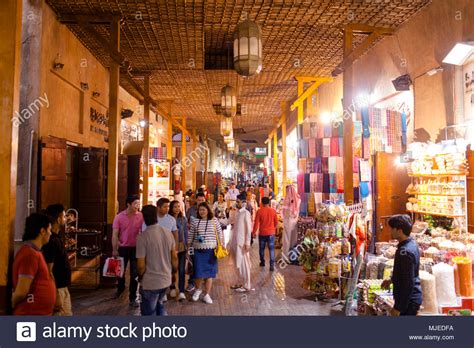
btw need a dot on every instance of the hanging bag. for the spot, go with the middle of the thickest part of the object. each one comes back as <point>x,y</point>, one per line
<point>219,251</point>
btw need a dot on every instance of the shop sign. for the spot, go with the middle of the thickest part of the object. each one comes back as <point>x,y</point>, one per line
<point>99,120</point>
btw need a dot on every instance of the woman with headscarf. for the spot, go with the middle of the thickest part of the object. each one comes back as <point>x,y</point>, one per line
<point>290,212</point>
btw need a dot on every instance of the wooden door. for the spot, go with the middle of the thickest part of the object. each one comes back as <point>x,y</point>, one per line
<point>391,181</point>
<point>470,191</point>
<point>91,188</point>
<point>53,177</point>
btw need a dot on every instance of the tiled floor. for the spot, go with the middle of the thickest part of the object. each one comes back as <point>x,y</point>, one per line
<point>277,293</point>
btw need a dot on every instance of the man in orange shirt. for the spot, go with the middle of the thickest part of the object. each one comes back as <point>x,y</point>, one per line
<point>266,222</point>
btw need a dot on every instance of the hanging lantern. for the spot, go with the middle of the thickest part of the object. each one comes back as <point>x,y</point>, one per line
<point>228,101</point>
<point>226,126</point>
<point>248,48</point>
<point>231,145</point>
<point>229,138</point>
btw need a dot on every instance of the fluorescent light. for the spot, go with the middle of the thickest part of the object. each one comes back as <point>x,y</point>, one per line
<point>460,53</point>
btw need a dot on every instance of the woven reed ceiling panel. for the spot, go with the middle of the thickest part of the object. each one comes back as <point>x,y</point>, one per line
<point>171,39</point>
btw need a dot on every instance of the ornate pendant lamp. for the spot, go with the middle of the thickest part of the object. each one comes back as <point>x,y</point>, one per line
<point>228,139</point>
<point>226,126</point>
<point>228,101</point>
<point>248,48</point>
<point>231,145</point>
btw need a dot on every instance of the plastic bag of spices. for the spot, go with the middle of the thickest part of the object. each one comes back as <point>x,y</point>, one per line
<point>444,275</point>
<point>463,275</point>
<point>428,288</point>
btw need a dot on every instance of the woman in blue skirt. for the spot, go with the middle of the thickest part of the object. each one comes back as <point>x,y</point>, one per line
<point>202,240</point>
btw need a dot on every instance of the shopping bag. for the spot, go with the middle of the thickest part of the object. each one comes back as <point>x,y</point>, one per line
<point>113,267</point>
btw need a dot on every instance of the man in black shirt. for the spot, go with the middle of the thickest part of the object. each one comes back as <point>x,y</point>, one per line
<point>406,281</point>
<point>57,259</point>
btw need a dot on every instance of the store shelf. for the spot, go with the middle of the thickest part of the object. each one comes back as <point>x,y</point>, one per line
<point>438,194</point>
<point>435,214</point>
<point>436,175</point>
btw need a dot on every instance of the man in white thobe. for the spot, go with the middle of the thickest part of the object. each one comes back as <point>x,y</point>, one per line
<point>240,247</point>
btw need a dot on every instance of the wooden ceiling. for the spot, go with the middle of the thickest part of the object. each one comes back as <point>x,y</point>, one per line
<point>170,39</point>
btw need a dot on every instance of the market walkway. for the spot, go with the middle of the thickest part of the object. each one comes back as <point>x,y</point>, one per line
<point>277,293</point>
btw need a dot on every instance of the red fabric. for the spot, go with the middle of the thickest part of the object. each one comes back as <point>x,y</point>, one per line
<point>41,298</point>
<point>266,222</point>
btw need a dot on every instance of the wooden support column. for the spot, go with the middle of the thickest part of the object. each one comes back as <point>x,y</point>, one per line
<point>114,126</point>
<point>169,149</point>
<point>206,163</point>
<point>194,161</point>
<point>348,81</point>
<point>146,140</point>
<point>10,50</point>
<point>283,146</point>
<point>301,106</point>
<point>275,162</point>
<point>183,157</point>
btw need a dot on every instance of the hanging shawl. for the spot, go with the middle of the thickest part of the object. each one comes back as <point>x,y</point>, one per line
<point>292,201</point>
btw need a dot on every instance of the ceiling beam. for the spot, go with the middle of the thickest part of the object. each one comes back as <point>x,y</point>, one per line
<point>374,33</point>
<point>90,30</point>
<point>74,19</point>
<point>309,91</point>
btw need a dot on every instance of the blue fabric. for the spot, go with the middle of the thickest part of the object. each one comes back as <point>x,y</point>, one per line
<point>365,122</point>
<point>262,242</point>
<point>364,189</point>
<point>152,302</point>
<point>404,128</point>
<point>205,264</point>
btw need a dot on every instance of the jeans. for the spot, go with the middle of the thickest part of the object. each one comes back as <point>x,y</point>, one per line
<point>411,310</point>
<point>181,270</point>
<point>262,241</point>
<point>152,302</point>
<point>129,254</point>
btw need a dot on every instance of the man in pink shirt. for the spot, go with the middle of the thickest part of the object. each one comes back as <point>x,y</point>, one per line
<point>127,225</point>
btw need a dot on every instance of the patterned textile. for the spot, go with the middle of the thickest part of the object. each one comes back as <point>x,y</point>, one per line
<point>303,148</point>
<point>311,204</point>
<point>312,148</point>
<point>340,182</point>
<point>326,183</point>
<point>357,146</point>
<point>319,182</point>
<point>325,162</point>
<point>318,165</point>
<point>307,185</point>
<point>332,165</point>
<point>319,147</point>
<point>326,147</point>
<point>328,131</point>
<point>334,150</point>
<point>366,151</point>
<point>356,181</point>
<point>306,130</point>
<point>300,183</point>
<point>332,183</point>
<point>157,153</point>
<point>302,165</point>
<point>314,130</point>
<point>355,165</point>
<point>339,165</point>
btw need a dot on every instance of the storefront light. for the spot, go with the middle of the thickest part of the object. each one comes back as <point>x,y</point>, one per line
<point>326,117</point>
<point>460,53</point>
<point>142,123</point>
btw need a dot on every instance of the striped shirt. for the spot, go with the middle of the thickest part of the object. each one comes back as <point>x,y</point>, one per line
<point>202,234</point>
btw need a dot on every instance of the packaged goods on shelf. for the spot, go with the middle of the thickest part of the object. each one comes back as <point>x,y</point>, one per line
<point>445,292</point>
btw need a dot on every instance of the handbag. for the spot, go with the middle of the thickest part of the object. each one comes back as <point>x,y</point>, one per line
<point>219,251</point>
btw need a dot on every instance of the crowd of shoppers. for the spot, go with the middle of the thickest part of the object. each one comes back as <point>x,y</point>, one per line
<point>164,247</point>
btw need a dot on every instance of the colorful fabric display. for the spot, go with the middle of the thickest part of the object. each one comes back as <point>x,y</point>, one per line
<point>357,146</point>
<point>357,128</point>
<point>304,204</point>
<point>302,165</point>
<point>320,131</point>
<point>300,183</point>
<point>334,150</point>
<point>313,178</point>
<point>312,148</point>
<point>318,199</point>
<point>325,197</point>
<point>356,194</point>
<point>326,147</point>
<point>340,131</point>
<point>332,165</point>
